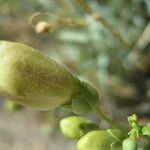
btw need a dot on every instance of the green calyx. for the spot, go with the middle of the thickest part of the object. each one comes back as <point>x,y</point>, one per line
<point>86,101</point>
<point>76,127</point>
<point>118,136</point>
<point>95,140</point>
<point>31,78</point>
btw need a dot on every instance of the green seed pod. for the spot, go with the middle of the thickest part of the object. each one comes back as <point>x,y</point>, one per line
<point>29,77</point>
<point>95,140</point>
<point>76,127</point>
<point>129,144</point>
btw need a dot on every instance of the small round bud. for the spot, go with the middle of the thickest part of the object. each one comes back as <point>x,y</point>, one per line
<point>129,144</point>
<point>12,106</point>
<point>76,127</point>
<point>42,27</point>
<point>95,140</point>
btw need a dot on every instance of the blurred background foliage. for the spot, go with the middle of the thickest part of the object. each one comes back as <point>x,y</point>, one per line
<point>87,47</point>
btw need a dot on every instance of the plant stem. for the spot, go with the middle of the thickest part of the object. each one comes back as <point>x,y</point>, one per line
<point>107,119</point>
<point>100,19</point>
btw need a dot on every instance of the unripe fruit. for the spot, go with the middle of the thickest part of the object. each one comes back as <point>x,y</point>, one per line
<point>76,127</point>
<point>95,140</point>
<point>29,77</point>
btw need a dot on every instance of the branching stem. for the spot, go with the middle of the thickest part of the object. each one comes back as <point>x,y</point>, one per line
<point>117,35</point>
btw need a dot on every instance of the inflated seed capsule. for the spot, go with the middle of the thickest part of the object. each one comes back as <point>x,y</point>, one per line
<point>29,77</point>
<point>76,127</point>
<point>129,144</point>
<point>95,140</point>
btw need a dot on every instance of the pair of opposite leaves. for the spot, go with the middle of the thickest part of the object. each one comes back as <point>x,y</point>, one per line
<point>31,78</point>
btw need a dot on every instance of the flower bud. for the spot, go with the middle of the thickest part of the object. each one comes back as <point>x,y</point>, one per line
<point>129,144</point>
<point>95,140</point>
<point>31,78</point>
<point>76,127</point>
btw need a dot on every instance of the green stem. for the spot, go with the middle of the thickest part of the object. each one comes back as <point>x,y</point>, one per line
<point>110,121</point>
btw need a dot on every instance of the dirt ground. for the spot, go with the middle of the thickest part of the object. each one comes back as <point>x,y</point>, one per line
<point>23,131</point>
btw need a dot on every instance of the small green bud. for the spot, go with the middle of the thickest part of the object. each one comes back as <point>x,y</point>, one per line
<point>95,140</point>
<point>136,128</point>
<point>133,120</point>
<point>129,144</point>
<point>29,77</point>
<point>76,127</point>
<point>12,106</point>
